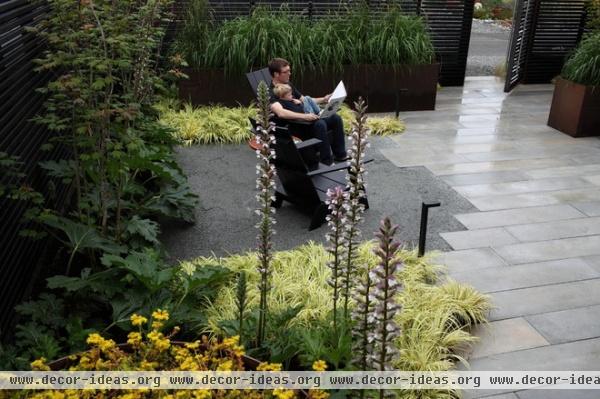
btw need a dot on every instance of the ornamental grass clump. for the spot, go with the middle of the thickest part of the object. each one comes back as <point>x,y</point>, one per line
<point>351,35</point>
<point>378,125</point>
<point>584,65</point>
<point>208,124</point>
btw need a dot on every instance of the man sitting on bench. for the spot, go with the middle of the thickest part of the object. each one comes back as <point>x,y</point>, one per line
<point>329,150</point>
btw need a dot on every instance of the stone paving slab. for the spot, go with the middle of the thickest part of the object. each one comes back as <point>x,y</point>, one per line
<point>579,170</point>
<point>400,157</point>
<point>568,325</point>
<point>530,153</point>
<point>483,393</point>
<point>519,187</point>
<point>508,217</point>
<point>478,238</point>
<point>497,166</point>
<point>482,178</point>
<point>590,208</point>
<point>545,299</point>
<point>578,355</point>
<point>470,259</point>
<point>555,229</point>
<point>497,202</point>
<point>506,278</point>
<point>593,261</point>
<point>558,394</point>
<point>548,250</point>
<point>505,336</point>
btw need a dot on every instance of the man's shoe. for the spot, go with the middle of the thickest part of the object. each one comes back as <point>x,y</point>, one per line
<point>342,159</point>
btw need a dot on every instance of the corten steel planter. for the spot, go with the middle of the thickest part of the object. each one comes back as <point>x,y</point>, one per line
<point>386,88</point>
<point>575,109</point>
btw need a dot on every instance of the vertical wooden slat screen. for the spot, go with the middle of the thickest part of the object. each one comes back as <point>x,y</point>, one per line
<point>558,28</point>
<point>19,102</point>
<point>546,31</point>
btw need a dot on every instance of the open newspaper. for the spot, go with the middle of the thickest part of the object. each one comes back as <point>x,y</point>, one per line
<point>335,101</point>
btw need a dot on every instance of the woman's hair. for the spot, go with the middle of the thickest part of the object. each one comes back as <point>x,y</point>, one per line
<point>281,89</point>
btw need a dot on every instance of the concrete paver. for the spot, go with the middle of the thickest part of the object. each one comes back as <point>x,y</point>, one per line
<point>506,336</point>
<point>478,238</point>
<point>568,325</point>
<point>545,299</point>
<point>520,216</point>
<point>470,259</point>
<point>505,278</point>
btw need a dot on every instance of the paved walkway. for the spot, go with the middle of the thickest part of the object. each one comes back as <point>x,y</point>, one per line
<point>534,244</point>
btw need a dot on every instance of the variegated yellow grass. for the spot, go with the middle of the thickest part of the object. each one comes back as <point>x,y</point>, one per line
<point>435,312</point>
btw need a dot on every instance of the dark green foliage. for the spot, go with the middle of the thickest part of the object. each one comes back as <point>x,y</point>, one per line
<point>105,57</point>
<point>584,65</point>
<point>351,35</point>
<point>593,16</point>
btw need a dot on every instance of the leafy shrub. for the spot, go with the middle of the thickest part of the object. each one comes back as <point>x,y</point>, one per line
<point>150,347</point>
<point>584,65</point>
<point>351,35</point>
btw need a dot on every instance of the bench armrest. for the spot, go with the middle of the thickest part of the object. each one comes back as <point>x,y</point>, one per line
<point>307,143</point>
<point>337,166</point>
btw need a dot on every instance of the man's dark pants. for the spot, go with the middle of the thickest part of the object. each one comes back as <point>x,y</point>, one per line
<point>330,147</point>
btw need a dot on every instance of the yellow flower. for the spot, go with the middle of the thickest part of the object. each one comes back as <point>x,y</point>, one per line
<point>284,393</point>
<point>188,364</point>
<point>138,320</point>
<point>157,325</point>
<point>231,341</point>
<point>193,345</point>
<point>202,394</point>
<point>225,366</point>
<point>40,364</point>
<point>317,394</point>
<point>319,365</point>
<point>159,341</point>
<point>159,314</point>
<point>86,363</point>
<point>148,366</point>
<point>107,344</point>
<point>269,367</point>
<point>134,338</point>
<point>94,339</point>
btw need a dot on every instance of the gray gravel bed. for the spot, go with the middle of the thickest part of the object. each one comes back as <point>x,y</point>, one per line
<point>488,47</point>
<point>224,178</point>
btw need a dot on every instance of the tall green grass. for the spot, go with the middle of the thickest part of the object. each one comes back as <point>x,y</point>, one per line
<point>584,65</point>
<point>351,35</point>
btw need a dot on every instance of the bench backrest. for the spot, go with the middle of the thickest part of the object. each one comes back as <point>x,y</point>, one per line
<point>255,77</point>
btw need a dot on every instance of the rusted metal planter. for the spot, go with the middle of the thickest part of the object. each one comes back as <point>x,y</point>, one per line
<point>386,88</point>
<point>575,109</point>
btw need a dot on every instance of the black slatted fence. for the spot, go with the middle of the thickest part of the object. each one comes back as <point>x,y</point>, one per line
<point>19,102</point>
<point>546,31</point>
